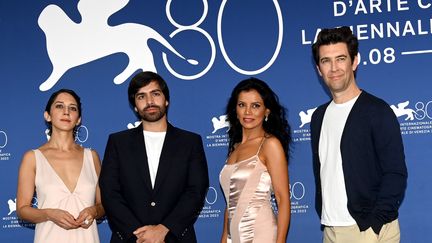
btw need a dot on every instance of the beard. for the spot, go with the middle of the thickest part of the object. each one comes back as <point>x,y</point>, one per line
<point>152,116</point>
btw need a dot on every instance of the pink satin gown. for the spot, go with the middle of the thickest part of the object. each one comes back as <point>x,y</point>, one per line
<point>247,188</point>
<point>53,193</point>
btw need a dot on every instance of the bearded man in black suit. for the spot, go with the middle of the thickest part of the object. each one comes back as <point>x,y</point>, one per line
<point>154,177</point>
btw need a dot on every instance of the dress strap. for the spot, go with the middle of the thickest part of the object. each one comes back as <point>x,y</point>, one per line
<point>259,148</point>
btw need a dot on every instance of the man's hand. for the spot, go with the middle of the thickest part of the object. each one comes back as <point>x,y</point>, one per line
<point>151,234</point>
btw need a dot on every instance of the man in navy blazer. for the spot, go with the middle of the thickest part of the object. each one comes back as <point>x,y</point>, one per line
<point>358,155</point>
<point>154,177</point>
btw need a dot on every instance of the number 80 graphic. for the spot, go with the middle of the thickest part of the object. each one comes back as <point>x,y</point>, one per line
<point>195,27</point>
<point>5,139</point>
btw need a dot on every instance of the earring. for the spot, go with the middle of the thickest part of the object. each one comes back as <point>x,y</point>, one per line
<point>266,118</point>
<point>76,131</point>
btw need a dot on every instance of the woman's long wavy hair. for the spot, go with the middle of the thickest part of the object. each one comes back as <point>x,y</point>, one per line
<point>276,124</point>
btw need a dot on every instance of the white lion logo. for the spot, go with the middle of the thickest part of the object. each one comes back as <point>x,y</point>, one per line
<point>305,117</point>
<point>134,125</point>
<point>71,44</point>
<point>220,123</point>
<point>401,110</point>
<point>12,206</point>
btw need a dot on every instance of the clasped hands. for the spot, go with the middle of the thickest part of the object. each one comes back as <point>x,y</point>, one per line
<point>67,221</point>
<point>151,234</point>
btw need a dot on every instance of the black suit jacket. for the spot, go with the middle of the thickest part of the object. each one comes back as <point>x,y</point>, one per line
<point>179,192</point>
<point>373,161</point>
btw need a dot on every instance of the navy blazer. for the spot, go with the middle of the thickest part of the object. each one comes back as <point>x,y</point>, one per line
<point>373,161</point>
<point>179,192</point>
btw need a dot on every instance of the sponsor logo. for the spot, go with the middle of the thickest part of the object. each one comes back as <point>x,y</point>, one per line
<point>417,120</point>
<point>71,44</point>
<point>303,133</point>
<point>12,206</point>
<point>305,117</point>
<point>220,123</point>
<point>3,142</point>
<point>3,139</point>
<point>11,220</point>
<point>401,110</point>
<point>218,136</point>
<point>209,210</point>
<point>414,121</point>
<point>297,193</point>
<point>133,125</point>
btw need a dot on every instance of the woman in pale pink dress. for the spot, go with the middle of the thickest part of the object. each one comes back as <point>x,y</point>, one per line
<point>256,167</point>
<point>64,176</point>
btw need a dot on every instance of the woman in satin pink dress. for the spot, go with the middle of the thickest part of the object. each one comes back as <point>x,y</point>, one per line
<point>64,176</point>
<point>256,167</point>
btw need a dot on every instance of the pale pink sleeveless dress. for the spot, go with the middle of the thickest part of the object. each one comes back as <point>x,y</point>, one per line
<point>247,188</point>
<point>53,193</point>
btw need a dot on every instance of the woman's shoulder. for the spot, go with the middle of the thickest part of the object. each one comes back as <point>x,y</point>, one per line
<point>41,148</point>
<point>90,149</point>
<point>29,158</point>
<point>271,144</point>
<point>93,151</point>
<point>271,140</point>
<point>30,153</point>
<point>95,156</point>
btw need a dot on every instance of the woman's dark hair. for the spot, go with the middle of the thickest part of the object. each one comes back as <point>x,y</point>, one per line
<point>51,101</point>
<point>143,79</point>
<point>276,124</point>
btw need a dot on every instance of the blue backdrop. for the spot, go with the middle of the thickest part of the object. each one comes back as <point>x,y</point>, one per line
<point>203,48</point>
